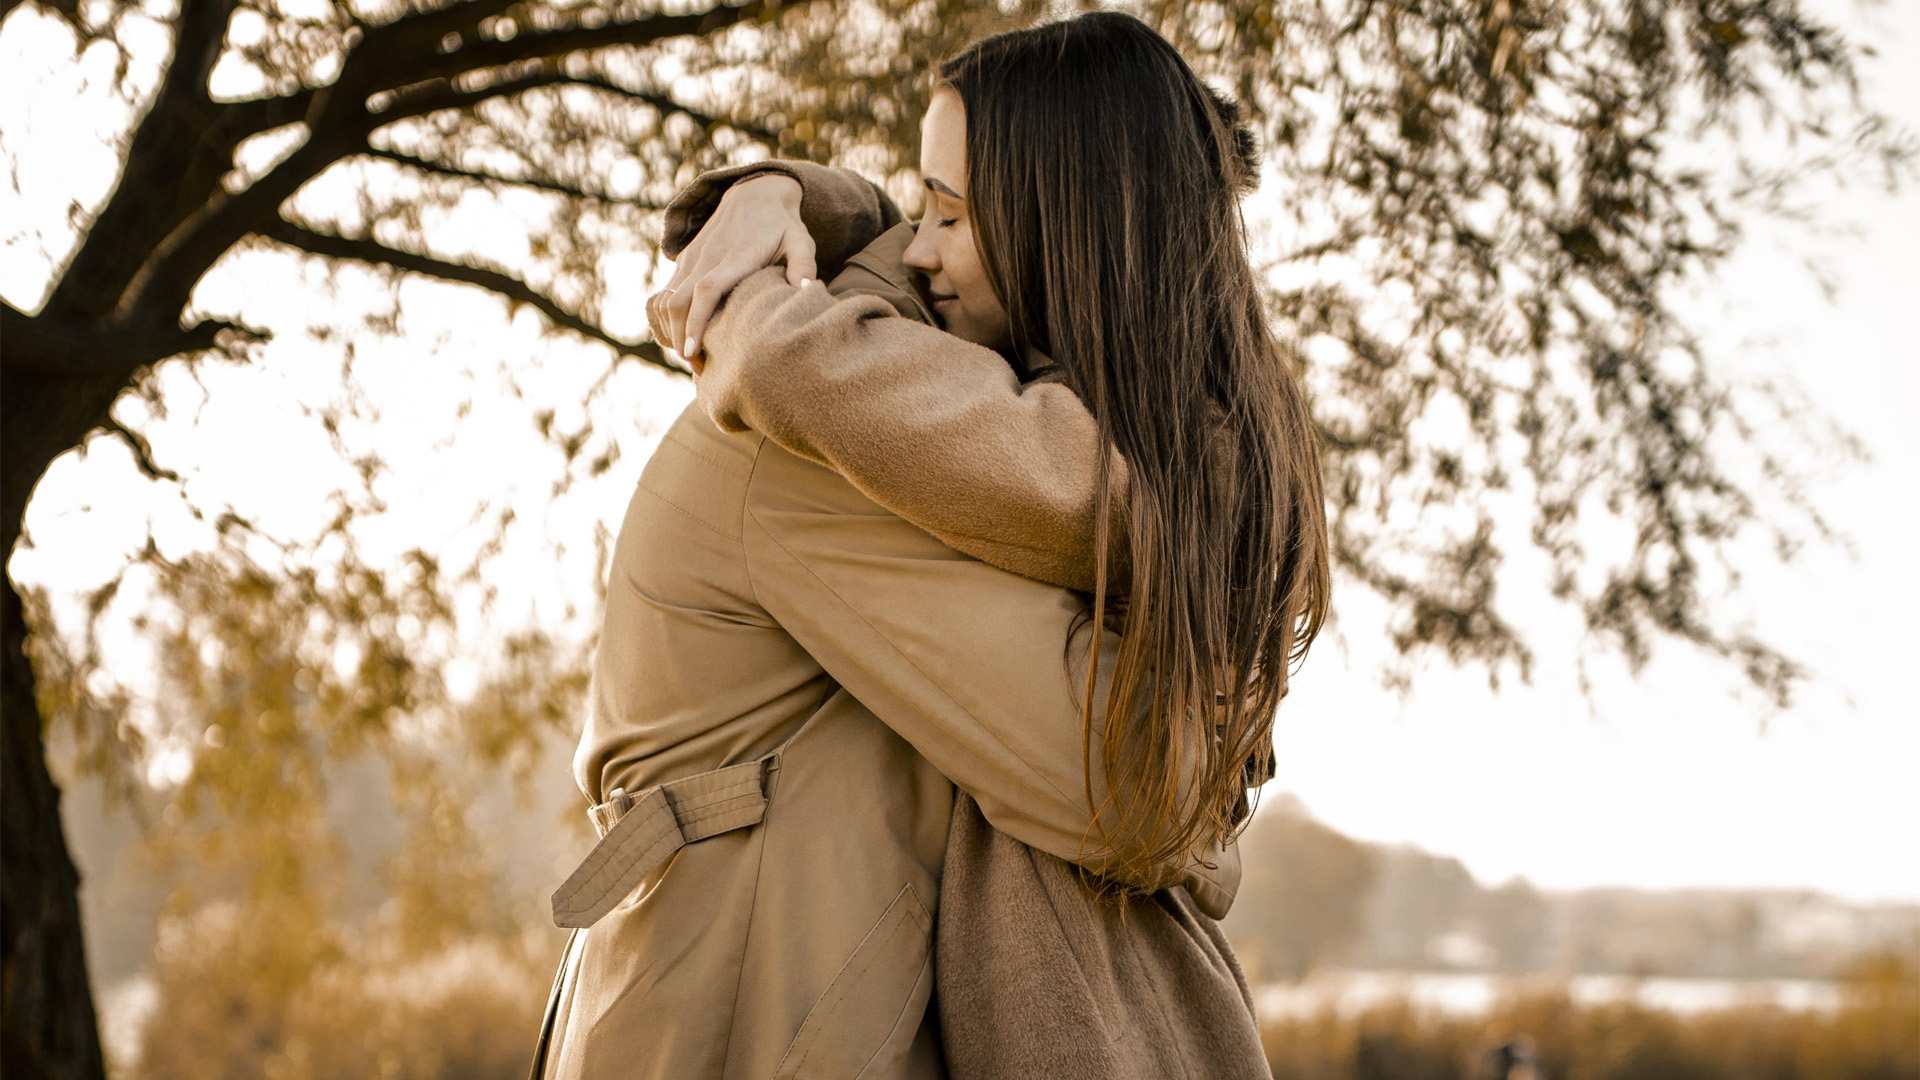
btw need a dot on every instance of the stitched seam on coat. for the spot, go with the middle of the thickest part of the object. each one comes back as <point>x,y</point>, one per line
<point>860,260</point>
<point>621,851</point>
<point>916,914</point>
<point>608,875</point>
<point>926,966</point>
<point>835,593</point>
<point>698,453</point>
<point>746,942</point>
<point>690,515</point>
<point>694,449</point>
<point>746,557</point>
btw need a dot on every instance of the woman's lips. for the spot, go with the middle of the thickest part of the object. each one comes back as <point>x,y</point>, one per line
<point>938,299</point>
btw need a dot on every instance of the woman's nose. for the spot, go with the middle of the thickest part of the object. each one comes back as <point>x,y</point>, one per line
<point>919,254</point>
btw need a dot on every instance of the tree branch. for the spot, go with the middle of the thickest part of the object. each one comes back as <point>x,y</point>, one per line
<point>173,158</point>
<point>240,119</point>
<point>515,290</point>
<point>46,346</point>
<point>423,34</point>
<point>205,334</point>
<point>142,451</point>
<point>405,53</point>
<point>483,176</point>
<point>476,53</point>
<point>196,48</point>
<point>421,98</point>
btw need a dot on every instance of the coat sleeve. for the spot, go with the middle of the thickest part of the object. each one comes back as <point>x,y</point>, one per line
<point>933,427</point>
<point>841,209</point>
<point>980,670</point>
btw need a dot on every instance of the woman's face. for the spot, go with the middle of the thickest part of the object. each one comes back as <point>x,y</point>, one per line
<point>943,245</point>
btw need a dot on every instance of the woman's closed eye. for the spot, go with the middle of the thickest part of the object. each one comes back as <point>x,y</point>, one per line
<point>946,223</point>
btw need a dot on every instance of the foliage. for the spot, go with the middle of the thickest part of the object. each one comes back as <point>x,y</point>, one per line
<point>266,682</point>
<point>265,989</point>
<point>1491,206</point>
<point>1873,1035</point>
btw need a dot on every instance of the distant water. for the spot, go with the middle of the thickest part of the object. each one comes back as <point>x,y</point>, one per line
<point>1471,993</point>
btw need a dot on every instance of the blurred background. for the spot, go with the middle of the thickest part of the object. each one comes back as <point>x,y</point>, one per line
<point>327,382</point>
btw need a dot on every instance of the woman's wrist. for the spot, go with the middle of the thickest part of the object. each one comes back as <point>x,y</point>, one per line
<point>773,186</point>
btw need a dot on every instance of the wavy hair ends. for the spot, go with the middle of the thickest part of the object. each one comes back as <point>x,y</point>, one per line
<point>1104,182</point>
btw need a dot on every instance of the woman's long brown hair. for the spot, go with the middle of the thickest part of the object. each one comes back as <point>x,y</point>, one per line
<point>1104,183</point>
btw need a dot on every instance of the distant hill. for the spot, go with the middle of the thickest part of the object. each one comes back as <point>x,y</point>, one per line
<point>1313,897</point>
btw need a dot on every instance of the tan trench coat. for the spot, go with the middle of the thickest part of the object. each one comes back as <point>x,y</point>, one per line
<point>768,912</point>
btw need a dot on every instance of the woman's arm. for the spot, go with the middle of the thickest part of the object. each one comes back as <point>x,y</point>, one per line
<point>935,428</point>
<point>842,210</point>
<point>981,671</point>
<point>720,228</point>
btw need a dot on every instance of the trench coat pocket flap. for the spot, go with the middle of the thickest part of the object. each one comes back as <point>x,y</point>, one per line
<point>663,820</point>
<point>878,997</point>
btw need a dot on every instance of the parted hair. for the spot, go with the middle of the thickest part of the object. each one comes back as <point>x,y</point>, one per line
<point>1104,181</point>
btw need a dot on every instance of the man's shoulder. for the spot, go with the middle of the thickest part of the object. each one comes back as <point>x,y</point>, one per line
<point>693,434</point>
<point>784,481</point>
<point>880,269</point>
<point>703,471</point>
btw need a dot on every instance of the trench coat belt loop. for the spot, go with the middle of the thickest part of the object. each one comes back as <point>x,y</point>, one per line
<point>639,832</point>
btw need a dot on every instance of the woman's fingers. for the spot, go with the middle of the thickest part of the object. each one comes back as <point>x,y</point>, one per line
<point>697,302</point>
<point>674,298</point>
<point>657,318</point>
<point>709,290</point>
<point>797,246</point>
<point>756,223</point>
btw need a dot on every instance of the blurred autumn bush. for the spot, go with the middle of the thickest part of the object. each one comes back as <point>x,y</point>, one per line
<point>1873,1035</point>
<point>264,989</point>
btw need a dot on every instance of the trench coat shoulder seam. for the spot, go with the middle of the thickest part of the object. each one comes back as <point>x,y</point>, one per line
<point>699,453</point>
<point>696,450</point>
<point>936,686</point>
<point>746,511</point>
<point>690,515</point>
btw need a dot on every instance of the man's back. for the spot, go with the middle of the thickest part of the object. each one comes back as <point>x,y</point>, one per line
<point>799,946</point>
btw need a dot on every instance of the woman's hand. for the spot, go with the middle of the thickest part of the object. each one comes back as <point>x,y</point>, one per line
<point>756,224</point>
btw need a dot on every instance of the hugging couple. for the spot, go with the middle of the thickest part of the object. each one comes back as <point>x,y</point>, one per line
<point>946,629</point>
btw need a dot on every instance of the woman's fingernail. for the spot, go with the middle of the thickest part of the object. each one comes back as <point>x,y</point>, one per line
<point>805,281</point>
<point>693,346</point>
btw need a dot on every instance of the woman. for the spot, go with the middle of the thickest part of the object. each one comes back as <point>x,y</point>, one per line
<point>1211,476</point>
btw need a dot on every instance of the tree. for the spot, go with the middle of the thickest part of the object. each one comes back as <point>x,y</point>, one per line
<point>1492,203</point>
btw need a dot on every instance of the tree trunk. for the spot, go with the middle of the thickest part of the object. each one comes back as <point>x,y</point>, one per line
<point>48,1027</point>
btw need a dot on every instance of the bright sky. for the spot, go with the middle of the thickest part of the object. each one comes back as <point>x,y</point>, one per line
<point>1676,779</point>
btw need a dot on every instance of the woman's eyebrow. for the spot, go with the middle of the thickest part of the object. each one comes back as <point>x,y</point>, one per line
<point>936,185</point>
